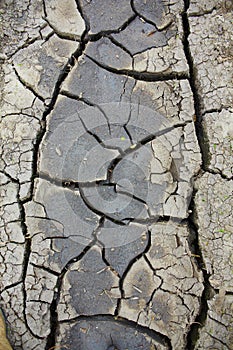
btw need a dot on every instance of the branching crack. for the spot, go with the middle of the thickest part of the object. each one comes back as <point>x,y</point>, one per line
<point>96,211</point>
<point>164,27</point>
<point>200,319</point>
<point>88,103</point>
<point>51,339</point>
<point>130,264</point>
<point>202,139</point>
<point>139,144</point>
<point>63,74</point>
<point>104,33</point>
<point>79,186</point>
<point>29,42</point>
<point>168,74</point>
<point>207,293</point>
<point>98,139</point>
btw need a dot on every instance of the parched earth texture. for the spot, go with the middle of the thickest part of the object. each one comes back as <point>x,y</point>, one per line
<point>116,174</point>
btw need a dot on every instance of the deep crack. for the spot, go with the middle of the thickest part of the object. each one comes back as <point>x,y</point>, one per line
<point>156,336</point>
<point>200,319</point>
<point>51,339</point>
<point>207,293</point>
<point>201,136</point>
<point>168,74</point>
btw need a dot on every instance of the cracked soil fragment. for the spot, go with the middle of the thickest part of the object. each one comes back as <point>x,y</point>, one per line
<point>210,34</point>
<point>166,298</point>
<point>39,65</point>
<point>107,333</point>
<point>218,127</point>
<point>89,288</point>
<point>99,157</point>
<point>214,219</point>
<point>217,332</point>
<point>64,18</point>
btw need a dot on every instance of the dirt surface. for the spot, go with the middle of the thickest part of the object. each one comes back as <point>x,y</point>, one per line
<point>116,174</point>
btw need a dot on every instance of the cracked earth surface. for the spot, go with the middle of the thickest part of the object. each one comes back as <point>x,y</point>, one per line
<point>116,174</point>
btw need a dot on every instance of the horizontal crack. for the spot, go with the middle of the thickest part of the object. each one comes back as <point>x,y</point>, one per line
<point>61,35</point>
<point>213,110</point>
<point>218,172</point>
<point>46,269</point>
<point>11,286</point>
<point>156,336</point>
<point>203,13</point>
<point>130,195</point>
<point>168,74</point>
<point>73,185</point>
<point>139,144</point>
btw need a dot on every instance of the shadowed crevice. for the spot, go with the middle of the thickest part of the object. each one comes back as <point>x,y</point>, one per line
<point>51,339</point>
<point>168,74</point>
<point>129,266</point>
<point>106,33</point>
<point>207,293</point>
<point>193,80</point>
<point>193,334</point>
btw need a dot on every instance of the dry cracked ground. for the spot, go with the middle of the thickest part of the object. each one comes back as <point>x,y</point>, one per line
<point>116,174</point>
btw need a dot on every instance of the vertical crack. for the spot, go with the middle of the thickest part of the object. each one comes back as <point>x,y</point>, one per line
<point>53,309</point>
<point>27,250</point>
<point>27,253</point>
<point>87,23</point>
<point>63,75</point>
<point>193,334</point>
<point>207,293</point>
<point>51,339</point>
<point>131,263</point>
<point>201,136</point>
<point>54,323</point>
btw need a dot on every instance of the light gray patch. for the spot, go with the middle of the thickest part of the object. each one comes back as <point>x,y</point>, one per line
<point>50,72</point>
<point>106,15</point>
<point>106,53</point>
<point>152,10</point>
<point>140,36</point>
<point>95,83</point>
